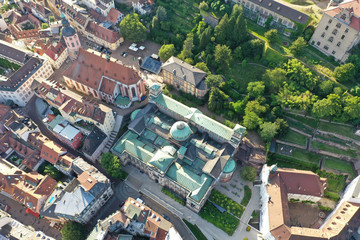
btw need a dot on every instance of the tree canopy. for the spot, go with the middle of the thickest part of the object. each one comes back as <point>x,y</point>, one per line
<point>112,165</point>
<point>268,130</point>
<point>73,231</point>
<point>248,173</point>
<point>132,29</point>
<point>166,51</point>
<point>222,56</point>
<point>272,35</point>
<point>345,73</point>
<point>213,80</point>
<point>298,46</point>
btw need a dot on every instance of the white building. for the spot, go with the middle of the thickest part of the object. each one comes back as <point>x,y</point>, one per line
<point>101,6</point>
<point>16,85</point>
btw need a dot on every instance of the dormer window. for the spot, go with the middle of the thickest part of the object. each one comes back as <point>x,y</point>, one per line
<point>338,25</point>
<point>342,37</point>
<point>343,17</point>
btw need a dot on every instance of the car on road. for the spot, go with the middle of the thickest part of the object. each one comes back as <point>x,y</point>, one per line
<point>124,54</point>
<point>122,203</point>
<point>166,217</point>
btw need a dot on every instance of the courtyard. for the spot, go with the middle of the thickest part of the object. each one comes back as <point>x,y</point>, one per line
<point>305,214</point>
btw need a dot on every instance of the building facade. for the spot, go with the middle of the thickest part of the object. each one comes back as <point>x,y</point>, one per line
<point>284,17</point>
<point>57,54</point>
<point>71,38</point>
<point>17,86</point>
<point>339,30</point>
<point>184,77</point>
<point>104,79</point>
<point>102,6</point>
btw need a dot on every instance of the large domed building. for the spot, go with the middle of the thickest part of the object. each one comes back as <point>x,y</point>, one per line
<point>180,131</point>
<point>71,37</point>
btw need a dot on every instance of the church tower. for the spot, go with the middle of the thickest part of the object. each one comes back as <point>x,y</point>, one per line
<point>71,38</point>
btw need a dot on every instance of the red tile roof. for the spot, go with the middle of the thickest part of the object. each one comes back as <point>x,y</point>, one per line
<point>51,152</point>
<point>113,15</point>
<point>103,33</point>
<point>354,6</point>
<point>86,181</point>
<point>4,112</point>
<point>55,51</point>
<point>97,16</point>
<point>90,68</point>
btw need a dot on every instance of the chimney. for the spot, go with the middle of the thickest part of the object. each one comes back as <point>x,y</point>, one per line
<point>174,71</point>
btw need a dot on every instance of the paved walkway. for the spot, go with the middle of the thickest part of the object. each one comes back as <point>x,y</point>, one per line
<point>153,190</point>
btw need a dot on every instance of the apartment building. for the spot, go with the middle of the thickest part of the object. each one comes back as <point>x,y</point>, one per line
<point>284,17</point>
<point>16,86</point>
<point>339,30</point>
<point>57,54</point>
<point>29,189</point>
<point>184,77</point>
<point>74,107</point>
<point>26,26</point>
<point>105,79</point>
<point>179,147</point>
<point>102,6</point>
<point>137,219</point>
<point>80,199</point>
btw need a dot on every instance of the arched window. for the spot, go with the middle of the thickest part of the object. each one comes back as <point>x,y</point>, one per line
<point>133,92</point>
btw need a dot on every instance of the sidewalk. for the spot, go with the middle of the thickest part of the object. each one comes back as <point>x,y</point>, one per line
<point>153,190</point>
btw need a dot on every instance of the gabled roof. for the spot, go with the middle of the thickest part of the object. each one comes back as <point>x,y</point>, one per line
<point>113,15</point>
<point>54,52</point>
<point>105,34</point>
<point>51,152</point>
<point>184,71</point>
<point>352,7</point>
<point>282,10</point>
<point>90,68</point>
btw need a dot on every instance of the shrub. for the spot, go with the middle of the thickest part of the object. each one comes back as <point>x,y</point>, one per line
<point>248,173</point>
<point>323,208</point>
<point>292,200</point>
<point>332,196</point>
<point>173,196</point>
<point>248,228</point>
<point>247,196</point>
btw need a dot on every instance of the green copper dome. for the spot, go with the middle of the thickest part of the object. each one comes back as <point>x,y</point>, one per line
<point>230,166</point>
<point>180,131</point>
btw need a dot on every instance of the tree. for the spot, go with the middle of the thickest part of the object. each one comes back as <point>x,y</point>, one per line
<point>328,107</point>
<point>248,173</point>
<point>222,56</point>
<point>239,32</point>
<point>222,30</point>
<point>112,165</point>
<point>326,87</point>
<point>51,19</point>
<point>217,100</point>
<point>253,48</point>
<point>297,72</point>
<point>166,51</point>
<point>345,73</point>
<point>282,126</point>
<point>187,47</point>
<point>73,231</point>
<point>251,120</point>
<point>161,13</point>
<point>237,54</point>
<point>202,66</point>
<point>298,45</point>
<point>352,106</point>
<point>255,89</point>
<point>272,35</point>
<point>132,29</point>
<point>274,79</point>
<point>255,107</point>
<point>155,23</point>
<point>204,6</point>
<point>213,80</point>
<point>268,131</point>
<point>205,37</point>
<point>44,26</point>
<point>53,172</point>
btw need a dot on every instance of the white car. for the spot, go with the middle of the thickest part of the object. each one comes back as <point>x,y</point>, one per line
<point>135,49</point>
<point>141,47</point>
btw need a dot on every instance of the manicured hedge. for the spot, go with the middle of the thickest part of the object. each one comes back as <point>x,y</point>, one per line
<point>247,196</point>
<point>227,203</point>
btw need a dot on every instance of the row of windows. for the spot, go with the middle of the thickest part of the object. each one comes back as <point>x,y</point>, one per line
<point>323,35</point>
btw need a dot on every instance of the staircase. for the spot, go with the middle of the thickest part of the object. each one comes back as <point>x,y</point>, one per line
<point>118,122</point>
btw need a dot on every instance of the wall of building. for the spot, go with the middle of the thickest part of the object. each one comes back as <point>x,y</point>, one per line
<point>301,197</point>
<point>334,38</point>
<point>95,156</point>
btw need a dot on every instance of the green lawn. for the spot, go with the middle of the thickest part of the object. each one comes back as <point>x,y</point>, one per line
<point>328,148</point>
<point>310,122</point>
<point>7,64</point>
<point>300,126</point>
<point>340,165</point>
<point>338,129</point>
<point>294,137</point>
<point>300,2</point>
<point>306,156</point>
<point>290,162</point>
<point>247,196</point>
<point>225,221</point>
<point>336,183</point>
<point>195,230</point>
<point>173,196</point>
<point>227,203</point>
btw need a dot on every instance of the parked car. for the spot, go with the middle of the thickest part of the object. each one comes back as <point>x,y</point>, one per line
<point>124,54</point>
<point>122,203</point>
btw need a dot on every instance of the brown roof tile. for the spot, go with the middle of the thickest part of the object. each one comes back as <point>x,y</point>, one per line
<point>86,181</point>
<point>103,33</point>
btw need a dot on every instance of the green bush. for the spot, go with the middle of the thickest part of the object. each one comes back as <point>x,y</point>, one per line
<point>332,196</point>
<point>173,196</point>
<point>195,230</point>
<point>248,228</point>
<point>227,203</point>
<point>247,196</point>
<point>323,208</point>
<point>311,202</point>
<point>292,200</point>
